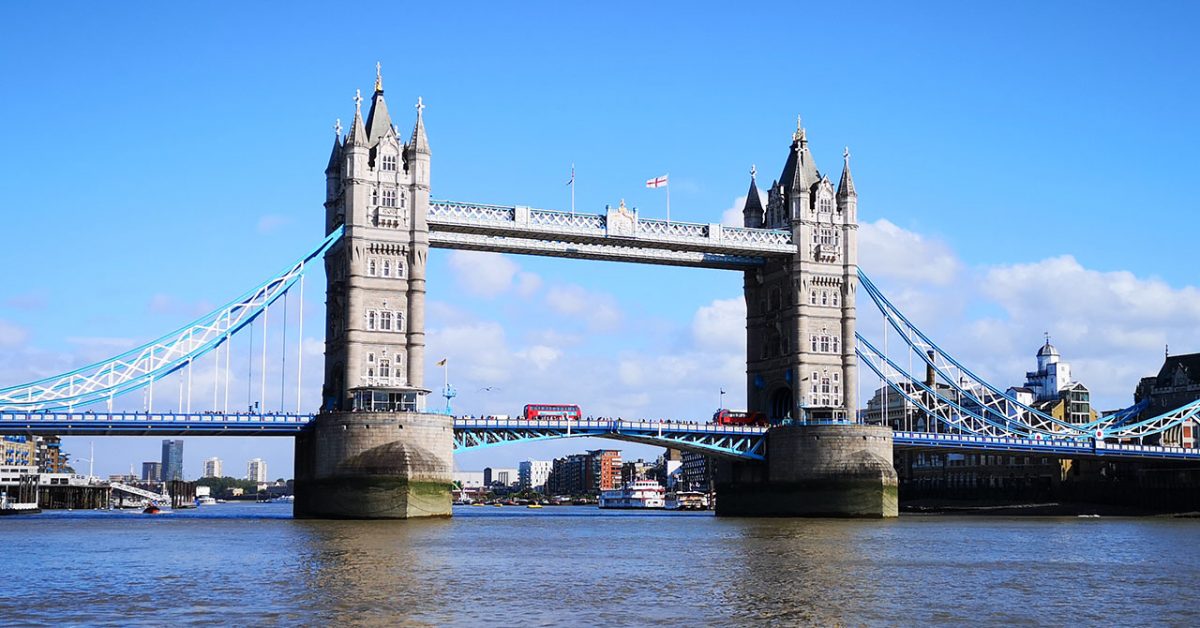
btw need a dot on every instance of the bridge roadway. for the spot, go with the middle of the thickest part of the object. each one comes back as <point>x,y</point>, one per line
<point>618,235</point>
<point>726,441</point>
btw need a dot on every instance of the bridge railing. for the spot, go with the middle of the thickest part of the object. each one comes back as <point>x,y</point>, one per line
<point>216,418</point>
<point>611,425</point>
<point>517,220</point>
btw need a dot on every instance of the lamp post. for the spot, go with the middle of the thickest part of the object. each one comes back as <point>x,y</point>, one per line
<point>721,405</point>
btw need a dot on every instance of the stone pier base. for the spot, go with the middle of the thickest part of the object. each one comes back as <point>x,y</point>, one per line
<point>374,465</point>
<point>814,471</point>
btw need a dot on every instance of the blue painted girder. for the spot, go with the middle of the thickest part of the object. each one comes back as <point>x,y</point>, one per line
<point>725,441</point>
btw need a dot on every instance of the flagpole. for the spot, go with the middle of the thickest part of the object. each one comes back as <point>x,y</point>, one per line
<point>668,197</point>
<point>572,189</point>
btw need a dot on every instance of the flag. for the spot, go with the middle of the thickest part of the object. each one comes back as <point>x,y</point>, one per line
<point>659,182</point>
<point>572,181</point>
<point>443,362</point>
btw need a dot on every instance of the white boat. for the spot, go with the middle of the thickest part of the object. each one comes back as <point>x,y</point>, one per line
<point>206,501</point>
<point>687,500</point>
<point>639,494</point>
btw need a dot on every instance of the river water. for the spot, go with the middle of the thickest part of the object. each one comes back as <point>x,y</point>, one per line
<point>253,564</point>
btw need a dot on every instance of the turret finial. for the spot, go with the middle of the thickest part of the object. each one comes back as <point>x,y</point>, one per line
<point>420,106</point>
<point>753,171</point>
<point>378,77</point>
<point>846,155</point>
<point>799,134</point>
<point>337,128</point>
<point>358,100</point>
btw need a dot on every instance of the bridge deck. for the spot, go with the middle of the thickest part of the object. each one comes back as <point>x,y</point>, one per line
<point>615,236</point>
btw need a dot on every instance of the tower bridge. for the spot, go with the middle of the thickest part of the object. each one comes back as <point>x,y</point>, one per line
<point>373,450</point>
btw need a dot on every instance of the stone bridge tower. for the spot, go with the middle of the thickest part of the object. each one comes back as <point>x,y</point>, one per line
<point>373,452</point>
<point>800,360</point>
<point>801,368</point>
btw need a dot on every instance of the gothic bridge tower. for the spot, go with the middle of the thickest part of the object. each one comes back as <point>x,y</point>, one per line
<point>373,452</point>
<point>801,369</point>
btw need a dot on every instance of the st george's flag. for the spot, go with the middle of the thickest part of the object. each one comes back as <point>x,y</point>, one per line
<point>658,182</point>
<point>442,362</point>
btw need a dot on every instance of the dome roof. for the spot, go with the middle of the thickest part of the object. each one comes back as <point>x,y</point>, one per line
<point>1047,350</point>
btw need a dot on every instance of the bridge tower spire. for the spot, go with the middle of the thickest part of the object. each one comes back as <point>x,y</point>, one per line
<point>372,444</point>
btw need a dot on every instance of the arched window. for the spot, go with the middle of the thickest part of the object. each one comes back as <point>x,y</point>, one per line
<point>371,267</point>
<point>389,198</point>
<point>370,372</point>
<point>812,298</point>
<point>825,204</point>
<point>370,358</point>
<point>399,321</point>
<point>385,369</point>
<point>833,298</point>
<point>385,320</point>
<point>387,268</point>
<point>824,297</point>
<point>814,382</point>
<point>813,339</point>
<point>824,342</point>
<point>371,319</point>
<point>825,383</point>
<point>836,342</point>
<point>399,268</point>
<point>374,197</point>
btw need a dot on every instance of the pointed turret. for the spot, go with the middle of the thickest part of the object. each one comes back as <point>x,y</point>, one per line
<point>752,213</point>
<point>419,142</point>
<point>846,185</point>
<point>335,155</point>
<point>358,133</point>
<point>379,123</point>
<point>800,170</point>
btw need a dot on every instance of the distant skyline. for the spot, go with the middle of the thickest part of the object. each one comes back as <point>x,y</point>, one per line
<point>1021,168</point>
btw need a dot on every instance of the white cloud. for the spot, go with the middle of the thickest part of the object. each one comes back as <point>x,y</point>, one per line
<point>11,334</point>
<point>490,275</point>
<point>886,250</point>
<point>541,356</point>
<point>721,325</point>
<point>598,311</point>
<point>732,217</point>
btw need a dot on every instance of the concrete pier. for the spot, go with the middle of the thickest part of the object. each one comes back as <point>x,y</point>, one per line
<point>814,471</point>
<point>374,465</point>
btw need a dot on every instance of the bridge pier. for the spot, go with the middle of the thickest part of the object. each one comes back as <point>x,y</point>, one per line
<point>374,465</point>
<point>814,471</point>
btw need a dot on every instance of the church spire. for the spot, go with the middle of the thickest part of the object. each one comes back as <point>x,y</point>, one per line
<point>846,185</point>
<point>378,120</point>
<point>419,142</point>
<point>358,134</point>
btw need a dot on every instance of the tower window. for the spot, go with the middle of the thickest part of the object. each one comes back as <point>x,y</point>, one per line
<point>824,297</point>
<point>371,318</point>
<point>387,268</point>
<point>370,358</point>
<point>825,204</point>
<point>385,321</point>
<point>389,162</point>
<point>812,298</point>
<point>371,267</point>
<point>833,298</point>
<point>374,197</point>
<point>389,198</point>
<point>385,369</point>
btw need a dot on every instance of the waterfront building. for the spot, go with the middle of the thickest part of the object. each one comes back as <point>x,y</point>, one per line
<point>567,475</point>
<point>500,477</point>
<point>1176,384</point>
<point>50,458</point>
<point>469,479</point>
<point>256,470</point>
<point>18,451</point>
<point>635,470</point>
<point>1053,391</point>
<point>605,470</point>
<point>533,474</point>
<point>151,471</point>
<point>696,472</point>
<point>172,460</point>
<point>212,468</point>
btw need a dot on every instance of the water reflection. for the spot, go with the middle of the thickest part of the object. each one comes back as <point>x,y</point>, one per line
<point>253,564</point>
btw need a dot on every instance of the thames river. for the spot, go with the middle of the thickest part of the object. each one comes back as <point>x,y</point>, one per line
<point>253,564</point>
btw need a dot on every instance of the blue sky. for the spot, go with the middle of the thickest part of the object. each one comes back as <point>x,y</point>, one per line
<point>163,159</point>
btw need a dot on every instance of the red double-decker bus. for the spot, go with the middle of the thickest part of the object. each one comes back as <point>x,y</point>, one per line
<point>738,417</point>
<point>555,412</point>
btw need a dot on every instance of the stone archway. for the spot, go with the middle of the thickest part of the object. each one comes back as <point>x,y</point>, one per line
<point>781,404</point>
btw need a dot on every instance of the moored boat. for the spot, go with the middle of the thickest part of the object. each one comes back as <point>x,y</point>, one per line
<point>639,494</point>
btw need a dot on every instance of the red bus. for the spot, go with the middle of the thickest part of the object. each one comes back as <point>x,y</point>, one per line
<point>552,412</point>
<point>738,417</point>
